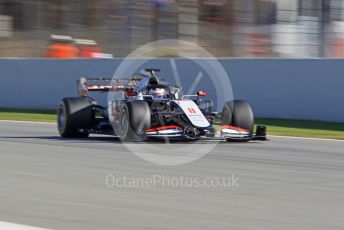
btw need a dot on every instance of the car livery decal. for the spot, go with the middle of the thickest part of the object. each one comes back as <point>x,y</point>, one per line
<point>228,131</point>
<point>194,114</point>
<point>234,128</point>
<point>165,131</point>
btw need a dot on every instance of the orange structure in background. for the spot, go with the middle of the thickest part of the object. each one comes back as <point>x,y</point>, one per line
<point>87,48</point>
<point>67,47</point>
<point>62,47</point>
<point>61,50</point>
<point>337,49</point>
<point>259,45</point>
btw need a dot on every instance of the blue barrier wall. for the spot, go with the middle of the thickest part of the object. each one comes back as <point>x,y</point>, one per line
<point>303,89</point>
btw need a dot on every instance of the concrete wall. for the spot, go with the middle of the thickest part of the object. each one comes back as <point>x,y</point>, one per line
<point>306,89</point>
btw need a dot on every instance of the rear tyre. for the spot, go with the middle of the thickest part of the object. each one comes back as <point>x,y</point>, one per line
<point>238,113</point>
<point>74,117</point>
<point>134,120</point>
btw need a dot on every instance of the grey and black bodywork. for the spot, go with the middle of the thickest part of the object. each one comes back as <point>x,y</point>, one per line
<point>133,113</point>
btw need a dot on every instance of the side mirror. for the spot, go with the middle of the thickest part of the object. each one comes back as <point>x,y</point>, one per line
<point>201,93</point>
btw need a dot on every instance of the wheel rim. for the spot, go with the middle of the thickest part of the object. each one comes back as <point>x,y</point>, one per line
<point>123,124</point>
<point>61,118</point>
<point>226,118</point>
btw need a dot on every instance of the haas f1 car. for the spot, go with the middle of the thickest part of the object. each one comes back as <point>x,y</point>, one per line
<point>144,107</point>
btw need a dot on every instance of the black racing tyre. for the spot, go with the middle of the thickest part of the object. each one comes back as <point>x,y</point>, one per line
<point>73,115</point>
<point>134,120</point>
<point>238,113</point>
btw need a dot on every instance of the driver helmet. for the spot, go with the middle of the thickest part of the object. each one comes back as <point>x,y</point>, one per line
<point>158,92</point>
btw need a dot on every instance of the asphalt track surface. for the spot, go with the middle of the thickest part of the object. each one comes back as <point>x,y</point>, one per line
<point>54,183</point>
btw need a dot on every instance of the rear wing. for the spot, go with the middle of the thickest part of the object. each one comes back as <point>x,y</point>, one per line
<point>86,85</point>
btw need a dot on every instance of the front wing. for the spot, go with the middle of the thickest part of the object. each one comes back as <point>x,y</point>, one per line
<point>228,133</point>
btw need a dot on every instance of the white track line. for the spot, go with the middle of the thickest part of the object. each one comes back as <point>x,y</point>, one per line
<point>29,122</point>
<point>306,138</point>
<point>14,226</point>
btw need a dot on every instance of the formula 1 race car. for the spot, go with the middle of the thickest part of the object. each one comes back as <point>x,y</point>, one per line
<point>144,107</point>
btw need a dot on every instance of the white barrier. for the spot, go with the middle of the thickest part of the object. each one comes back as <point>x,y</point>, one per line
<point>284,88</point>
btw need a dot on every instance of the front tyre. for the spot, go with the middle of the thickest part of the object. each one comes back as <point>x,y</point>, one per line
<point>134,120</point>
<point>74,117</point>
<point>238,113</point>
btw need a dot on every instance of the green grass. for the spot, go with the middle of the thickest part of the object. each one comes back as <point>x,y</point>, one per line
<point>283,127</point>
<point>28,115</point>
<point>303,128</point>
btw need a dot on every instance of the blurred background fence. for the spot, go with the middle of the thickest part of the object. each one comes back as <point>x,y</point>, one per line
<point>226,28</point>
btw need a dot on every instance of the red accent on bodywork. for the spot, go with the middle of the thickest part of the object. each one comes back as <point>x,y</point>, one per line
<point>201,94</point>
<point>90,87</point>
<point>192,110</point>
<point>131,94</point>
<point>163,128</point>
<point>233,128</point>
<point>99,87</point>
<point>104,87</point>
